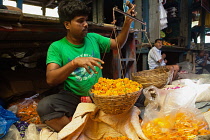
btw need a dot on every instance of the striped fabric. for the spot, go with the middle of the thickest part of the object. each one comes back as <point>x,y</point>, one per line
<point>153,57</point>
<point>199,61</point>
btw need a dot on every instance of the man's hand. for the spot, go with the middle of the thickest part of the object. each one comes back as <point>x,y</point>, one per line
<point>88,63</point>
<point>163,56</point>
<point>131,12</point>
<point>165,61</point>
<point>206,56</point>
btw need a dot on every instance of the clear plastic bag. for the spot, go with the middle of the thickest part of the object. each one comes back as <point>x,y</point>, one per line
<point>32,133</point>
<point>154,97</point>
<point>167,101</point>
<point>172,114</point>
<point>186,66</point>
<point>13,108</point>
<point>27,110</point>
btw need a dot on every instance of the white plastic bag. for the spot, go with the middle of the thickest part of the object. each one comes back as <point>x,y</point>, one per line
<point>12,134</point>
<point>179,98</point>
<point>32,133</point>
<point>163,16</point>
<point>203,93</point>
<point>203,90</point>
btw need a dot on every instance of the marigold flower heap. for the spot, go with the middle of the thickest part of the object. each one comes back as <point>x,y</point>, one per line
<point>116,138</point>
<point>109,87</point>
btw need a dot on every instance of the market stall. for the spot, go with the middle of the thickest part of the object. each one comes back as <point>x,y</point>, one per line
<point>179,111</point>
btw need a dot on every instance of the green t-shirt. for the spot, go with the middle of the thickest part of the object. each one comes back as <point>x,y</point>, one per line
<point>62,52</point>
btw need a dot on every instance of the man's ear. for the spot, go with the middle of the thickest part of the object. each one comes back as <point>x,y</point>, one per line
<point>67,24</point>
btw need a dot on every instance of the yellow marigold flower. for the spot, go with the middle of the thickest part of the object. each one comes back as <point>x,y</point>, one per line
<point>119,86</point>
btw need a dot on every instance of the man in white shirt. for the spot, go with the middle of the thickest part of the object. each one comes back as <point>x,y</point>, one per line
<point>155,59</point>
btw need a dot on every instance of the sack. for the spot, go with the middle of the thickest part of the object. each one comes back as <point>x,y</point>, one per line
<point>203,90</point>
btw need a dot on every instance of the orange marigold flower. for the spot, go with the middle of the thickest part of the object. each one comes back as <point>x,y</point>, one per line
<point>182,126</point>
<point>119,86</point>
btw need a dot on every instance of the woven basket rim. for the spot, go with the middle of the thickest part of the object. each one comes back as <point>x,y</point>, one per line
<point>158,77</point>
<point>109,96</point>
<point>152,70</point>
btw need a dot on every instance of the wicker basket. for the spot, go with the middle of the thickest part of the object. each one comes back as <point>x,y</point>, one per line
<point>157,77</point>
<point>116,104</point>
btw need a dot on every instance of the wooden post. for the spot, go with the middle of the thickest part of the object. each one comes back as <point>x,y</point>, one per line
<point>154,18</point>
<point>145,16</point>
<point>43,8</point>
<point>95,11</point>
<point>98,11</point>
<point>20,4</point>
<point>193,61</point>
<point>123,67</point>
<point>138,25</point>
<point>185,23</point>
<point>202,37</point>
<point>190,2</point>
<point>145,63</point>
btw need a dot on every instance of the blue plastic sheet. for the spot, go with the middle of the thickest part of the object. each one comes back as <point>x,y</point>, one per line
<point>7,118</point>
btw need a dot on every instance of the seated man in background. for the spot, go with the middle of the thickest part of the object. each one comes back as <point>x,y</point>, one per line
<point>155,59</point>
<point>201,62</point>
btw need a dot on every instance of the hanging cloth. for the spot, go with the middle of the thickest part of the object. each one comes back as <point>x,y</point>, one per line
<point>163,16</point>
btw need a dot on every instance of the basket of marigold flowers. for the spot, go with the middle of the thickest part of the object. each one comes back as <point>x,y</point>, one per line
<point>115,96</point>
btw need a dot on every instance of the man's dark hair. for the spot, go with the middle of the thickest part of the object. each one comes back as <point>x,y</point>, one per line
<point>68,9</point>
<point>158,40</point>
<point>201,51</point>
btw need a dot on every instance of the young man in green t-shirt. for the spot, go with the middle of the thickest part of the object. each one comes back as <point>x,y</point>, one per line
<point>75,61</point>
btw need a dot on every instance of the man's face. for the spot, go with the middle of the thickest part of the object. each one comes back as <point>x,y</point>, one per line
<point>202,53</point>
<point>78,26</point>
<point>158,44</point>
